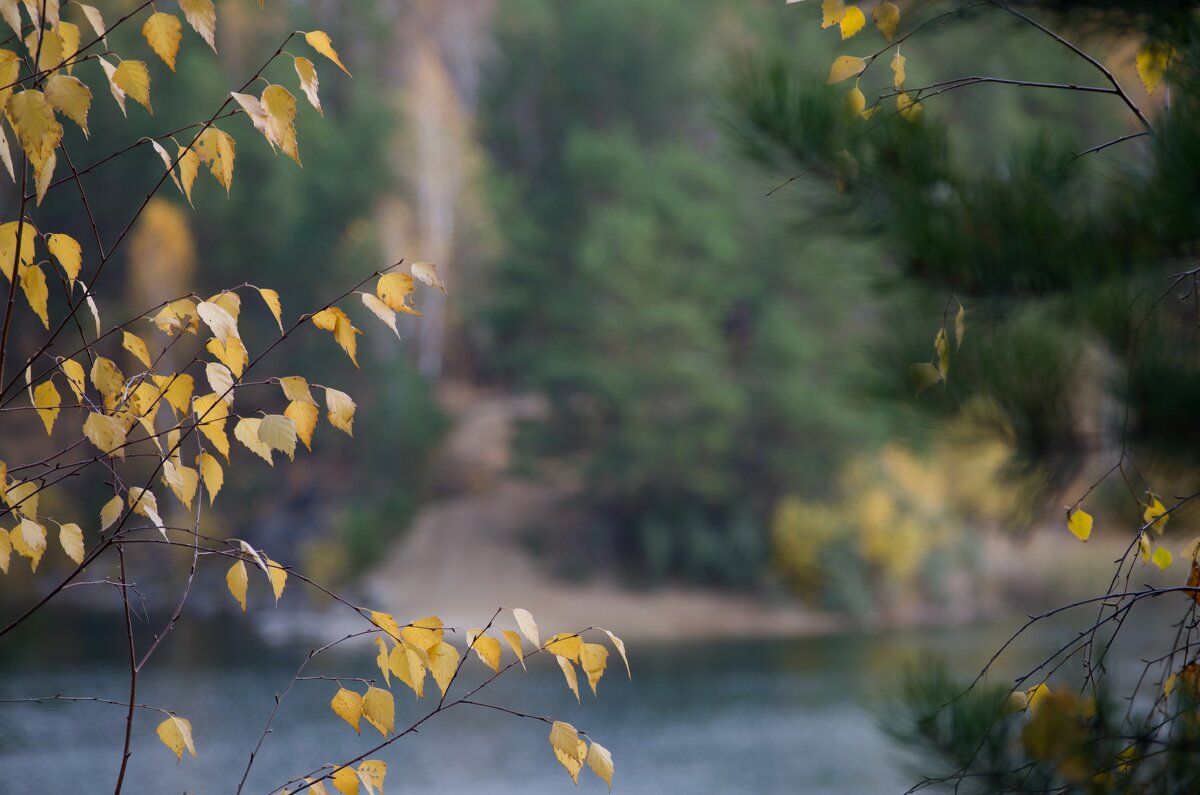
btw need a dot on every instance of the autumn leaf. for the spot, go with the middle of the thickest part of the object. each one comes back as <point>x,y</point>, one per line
<point>1155,515</point>
<point>176,734</point>
<point>341,413</point>
<point>71,97</point>
<point>488,649</point>
<point>593,659</point>
<point>599,760</point>
<point>133,78</point>
<point>278,433</point>
<point>319,41</point>
<point>379,710</point>
<point>426,272</point>
<point>247,432</point>
<point>1152,61</point>
<point>527,625</point>
<point>47,401</point>
<point>381,311</point>
<point>569,750</point>
<point>66,250</point>
<point>305,416</point>
<point>898,74</point>
<point>348,706</point>
<point>278,577</point>
<point>887,19</point>
<point>565,645</point>
<point>33,285</point>
<point>70,536</point>
<point>212,474</point>
<point>514,642</point>
<point>106,433</point>
<point>1080,524</point>
<point>394,289</point>
<point>309,82</point>
<point>202,16</point>
<point>569,674</point>
<point>237,580</point>
<point>111,512</point>
<point>271,299</point>
<point>443,664</point>
<point>1162,558</point>
<point>852,22</point>
<point>295,388</point>
<point>845,67</point>
<point>29,541</point>
<point>163,33</point>
<point>832,13</point>
<point>856,102</point>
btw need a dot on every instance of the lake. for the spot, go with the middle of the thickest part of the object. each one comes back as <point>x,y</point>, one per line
<point>732,716</point>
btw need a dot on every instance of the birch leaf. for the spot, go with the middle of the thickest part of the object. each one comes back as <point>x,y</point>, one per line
<point>163,33</point>
<point>319,41</point>
<point>71,537</point>
<point>1080,524</point>
<point>133,78</point>
<point>309,82</point>
<point>569,673</point>
<point>279,433</point>
<point>246,432</point>
<point>66,250</point>
<point>528,626</point>
<point>238,579</point>
<point>852,22</point>
<point>340,412</point>
<point>600,762</point>
<point>514,642</point>
<point>379,709</point>
<point>305,416</point>
<point>202,16</point>
<point>111,512</point>
<point>348,706</point>
<point>176,734</point>
<point>619,645</point>
<point>845,67</point>
<point>443,663</point>
<point>71,97</point>
<point>213,475</point>
<point>47,401</point>
<point>426,272</point>
<point>569,750</point>
<point>381,311</point>
<point>887,19</point>
<point>593,659</point>
<point>296,388</point>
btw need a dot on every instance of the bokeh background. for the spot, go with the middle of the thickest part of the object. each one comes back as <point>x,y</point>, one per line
<point>658,396</point>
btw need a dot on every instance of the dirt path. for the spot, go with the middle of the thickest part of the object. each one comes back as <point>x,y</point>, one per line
<point>463,556</point>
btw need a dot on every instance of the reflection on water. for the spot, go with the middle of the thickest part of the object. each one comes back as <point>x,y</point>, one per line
<point>738,716</point>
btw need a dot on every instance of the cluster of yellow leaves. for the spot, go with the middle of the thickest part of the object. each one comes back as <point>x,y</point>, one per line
<point>367,779</point>
<point>414,651</point>
<point>237,579</point>
<point>925,374</point>
<point>850,20</point>
<point>1154,516</point>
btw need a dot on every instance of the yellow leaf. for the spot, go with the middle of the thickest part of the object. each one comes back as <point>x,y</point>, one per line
<point>341,414</point>
<point>144,503</point>
<point>487,649</point>
<point>424,633</point>
<point>189,168</point>
<point>280,108</point>
<point>379,709</point>
<point>345,780</point>
<point>107,377</point>
<point>278,433</point>
<point>218,319</point>
<point>76,379</point>
<point>910,109</point>
<point>178,316</point>
<point>898,75</point>
<point>8,242</point>
<point>394,289</point>
<point>43,176</point>
<point>593,659</point>
<point>305,417</point>
<point>1144,546</point>
<point>6,154</point>
<point>71,537</point>
<point>232,354</point>
<point>213,475</point>
<point>387,623</point>
<point>1080,524</point>
<point>514,642</point>
<point>1152,62</point>
<point>1155,514</point>
<point>211,413</point>
<point>565,645</point>
<point>134,344</point>
<point>95,19</point>
<point>372,772</point>
<point>183,481</point>
<point>66,250</point>
<point>1169,685</point>
<point>569,750</point>
<point>47,401</point>
<point>1162,558</point>
<point>856,103</point>
<point>106,433</point>
<point>237,579</point>
<point>832,12</point>
<point>70,35</point>
<point>427,272</point>
<point>295,388</point>
<point>111,72</point>
<point>163,33</point>
<point>218,151</point>
<point>202,16</point>
<point>5,551</point>
<point>381,311</point>
<point>923,375</point>
<point>176,734</point>
<point>443,663</point>
<point>335,320</point>
<point>319,41</point>
<point>23,496</point>
<point>71,97</point>
<point>12,15</point>
<point>407,663</point>
<point>246,432</point>
<point>176,390</point>
<point>960,325</point>
<point>619,645</point>
<point>569,673</point>
<point>309,82</point>
<point>852,22</point>
<point>29,541</point>
<point>600,761</point>
<point>271,299</point>
<point>49,49</point>
<point>348,706</point>
<point>111,512</point>
<point>1036,695</point>
<point>528,626</point>
<point>845,67</point>
<point>381,660</point>
<point>133,78</point>
<point>32,117</point>
<point>168,163</point>
<point>33,284</point>
<point>887,19</point>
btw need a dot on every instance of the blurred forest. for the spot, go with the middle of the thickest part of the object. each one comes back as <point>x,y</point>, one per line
<point>720,374</point>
